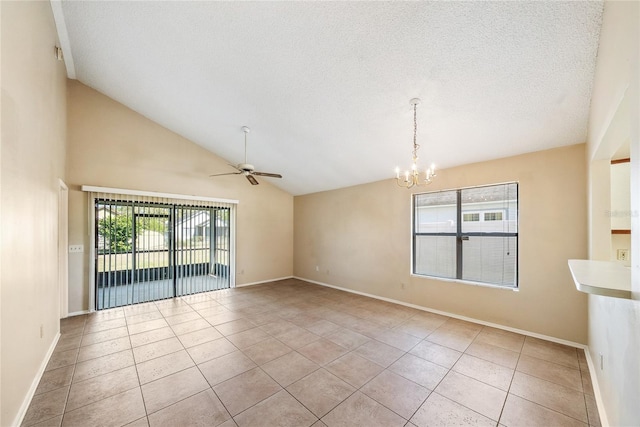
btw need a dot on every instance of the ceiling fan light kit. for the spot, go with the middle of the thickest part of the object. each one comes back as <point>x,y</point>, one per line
<point>247,169</point>
<point>413,177</point>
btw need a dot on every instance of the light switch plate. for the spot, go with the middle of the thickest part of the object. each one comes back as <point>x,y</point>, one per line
<point>76,249</point>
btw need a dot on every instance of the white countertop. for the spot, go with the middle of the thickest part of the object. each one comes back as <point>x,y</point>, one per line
<point>608,278</point>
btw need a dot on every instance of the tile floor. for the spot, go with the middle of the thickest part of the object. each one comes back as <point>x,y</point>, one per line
<point>290,353</point>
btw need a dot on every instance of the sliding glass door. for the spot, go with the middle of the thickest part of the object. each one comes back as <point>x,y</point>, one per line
<point>201,249</point>
<point>150,251</point>
<point>151,268</point>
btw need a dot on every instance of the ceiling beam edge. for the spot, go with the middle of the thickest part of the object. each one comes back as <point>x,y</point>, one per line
<point>63,37</point>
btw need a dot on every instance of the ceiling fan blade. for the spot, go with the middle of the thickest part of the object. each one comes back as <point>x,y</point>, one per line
<point>272,175</point>
<point>227,173</point>
<point>252,180</point>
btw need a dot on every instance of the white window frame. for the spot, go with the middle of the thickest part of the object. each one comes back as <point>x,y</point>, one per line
<point>458,278</point>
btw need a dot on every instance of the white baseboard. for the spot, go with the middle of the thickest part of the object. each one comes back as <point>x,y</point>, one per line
<point>265,281</point>
<point>34,384</point>
<point>592,367</point>
<point>455,316</point>
<point>78,313</point>
<point>596,390</point>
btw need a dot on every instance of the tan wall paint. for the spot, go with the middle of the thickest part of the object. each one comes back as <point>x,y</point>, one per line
<point>613,72</point>
<point>113,146</point>
<point>360,239</point>
<point>599,182</point>
<point>33,159</point>
<point>614,324</point>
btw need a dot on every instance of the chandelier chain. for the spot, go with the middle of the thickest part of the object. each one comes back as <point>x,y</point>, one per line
<point>414,177</point>
<point>416,146</point>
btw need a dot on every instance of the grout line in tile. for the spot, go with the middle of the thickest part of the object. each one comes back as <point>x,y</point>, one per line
<point>349,307</point>
<point>515,369</point>
<point>174,403</point>
<point>554,410</point>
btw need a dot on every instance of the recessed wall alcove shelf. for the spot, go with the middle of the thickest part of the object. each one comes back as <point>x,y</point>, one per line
<point>607,278</point>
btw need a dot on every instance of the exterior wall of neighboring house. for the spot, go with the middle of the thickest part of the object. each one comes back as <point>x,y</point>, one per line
<point>193,226</point>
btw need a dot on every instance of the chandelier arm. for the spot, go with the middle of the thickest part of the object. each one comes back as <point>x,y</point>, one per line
<point>404,184</point>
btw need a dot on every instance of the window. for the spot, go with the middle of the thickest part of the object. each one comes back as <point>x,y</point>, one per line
<point>486,216</point>
<point>471,217</point>
<point>468,234</point>
<point>493,216</point>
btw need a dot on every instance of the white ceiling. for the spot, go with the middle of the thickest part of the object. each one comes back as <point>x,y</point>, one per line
<point>325,86</point>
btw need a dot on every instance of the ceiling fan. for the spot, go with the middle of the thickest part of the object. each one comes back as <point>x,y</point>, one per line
<point>247,169</point>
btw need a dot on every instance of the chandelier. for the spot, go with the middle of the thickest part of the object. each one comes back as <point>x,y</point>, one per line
<point>414,177</point>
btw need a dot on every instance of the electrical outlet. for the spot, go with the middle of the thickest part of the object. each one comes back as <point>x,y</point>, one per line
<point>401,285</point>
<point>601,362</point>
<point>623,254</point>
<point>76,249</point>
<point>41,331</point>
<point>317,268</point>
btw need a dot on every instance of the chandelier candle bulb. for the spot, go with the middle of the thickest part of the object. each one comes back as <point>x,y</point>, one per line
<point>430,172</point>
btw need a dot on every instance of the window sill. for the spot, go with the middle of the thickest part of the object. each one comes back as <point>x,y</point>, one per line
<point>606,278</point>
<point>466,282</point>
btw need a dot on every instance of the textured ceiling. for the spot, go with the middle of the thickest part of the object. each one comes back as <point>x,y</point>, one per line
<point>325,86</point>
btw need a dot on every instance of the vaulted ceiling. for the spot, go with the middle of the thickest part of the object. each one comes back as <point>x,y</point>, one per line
<point>325,86</point>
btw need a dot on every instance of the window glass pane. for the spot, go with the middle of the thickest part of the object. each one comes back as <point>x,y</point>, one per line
<point>490,259</point>
<point>435,256</point>
<point>498,205</point>
<point>493,216</point>
<point>435,212</point>
<point>471,217</point>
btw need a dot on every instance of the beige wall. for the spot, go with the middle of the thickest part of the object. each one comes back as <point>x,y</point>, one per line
<point>620,208</point>
<point>113,146</point>
<point>614,324</point>
<point>33,150</point>
<point>360,237</point>
<point>599,196</point>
